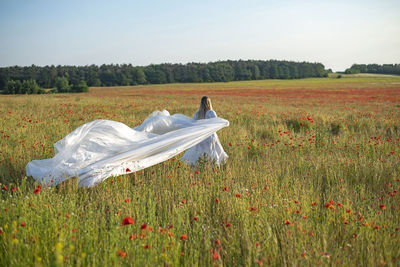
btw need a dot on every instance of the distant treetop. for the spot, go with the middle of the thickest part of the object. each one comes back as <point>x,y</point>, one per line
<point>70,78</point>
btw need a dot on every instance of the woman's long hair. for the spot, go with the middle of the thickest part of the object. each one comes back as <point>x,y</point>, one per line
<point>205,105</point>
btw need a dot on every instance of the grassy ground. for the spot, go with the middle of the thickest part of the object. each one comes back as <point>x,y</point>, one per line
<point>313,178</point>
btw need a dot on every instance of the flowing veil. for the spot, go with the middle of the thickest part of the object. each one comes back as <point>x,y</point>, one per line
<point>102,148</point>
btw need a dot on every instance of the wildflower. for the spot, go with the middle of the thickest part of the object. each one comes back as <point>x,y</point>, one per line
<point>4,188</point>
<point>147,246</point>
<point>228,225</point>
<point>287,222</point>
<point>23,224</point>
<point>14,189</point>
<point>184,201</point>
<point>128,170</point>
<point>260,263</point>
<point>132,237</point>
<point>183,237</point>
<point>314,203</point>
<point>127,220</point>
<point>127,200</point>
<point>348,211</point>
<point>122,254</point>
<point>215,256</point>
<point>37,189</point>
<point>144,226</point>
<point>237,195</point>
<point>383,207</point>
<point>195,218</point>
<point>217,242</point>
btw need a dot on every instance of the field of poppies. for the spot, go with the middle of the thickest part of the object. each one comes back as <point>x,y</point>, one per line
<point>313,178</point>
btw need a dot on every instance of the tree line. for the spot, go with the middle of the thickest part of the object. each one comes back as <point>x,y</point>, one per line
<point>71,78</point>
<point>374,68</point>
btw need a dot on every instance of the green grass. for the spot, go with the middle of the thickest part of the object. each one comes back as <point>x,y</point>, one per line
<point>289,160</point>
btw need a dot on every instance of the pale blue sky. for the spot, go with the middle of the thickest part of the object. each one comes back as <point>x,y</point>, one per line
<point>335,33</point>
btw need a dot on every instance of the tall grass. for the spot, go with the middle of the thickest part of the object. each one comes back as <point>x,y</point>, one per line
<point>305,184</point>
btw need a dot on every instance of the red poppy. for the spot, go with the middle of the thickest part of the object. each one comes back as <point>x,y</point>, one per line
<point>383,207</point>
<point>147,246</point>
<point>23,224</point>
<point>127,200</point>
<point>237,195</point>
<point>314,203</point>
<point>4,188</point>
<point>217,242</point>
<point>215,256</point>
<point>348,211</point>
<point>228,225</point>
<point>260,263</point>
<point>195,218</point>
<point>128,220</point>
<point>184,201</point>
<point>122,254</point>
<point>144,226</point>
<point>74,230</point>
<point>287,222</point>
<point>128,170</point>
<point>132,237</point>
<point>183,237</point>
<point>37,189</point>
<point>14,189</point>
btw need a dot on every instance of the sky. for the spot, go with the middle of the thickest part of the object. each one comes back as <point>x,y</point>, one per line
<point>335,33</point>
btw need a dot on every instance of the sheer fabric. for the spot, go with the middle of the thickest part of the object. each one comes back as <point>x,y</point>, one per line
<point>103,148</point>
<point>211,147</point>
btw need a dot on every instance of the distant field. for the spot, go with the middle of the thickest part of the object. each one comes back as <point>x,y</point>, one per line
<point>313,178</point>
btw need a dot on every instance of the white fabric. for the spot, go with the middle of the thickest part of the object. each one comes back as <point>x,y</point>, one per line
<point>103,148</point>
<point>211,146</point>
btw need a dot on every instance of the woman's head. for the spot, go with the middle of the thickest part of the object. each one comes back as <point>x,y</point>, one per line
<point>205,105</point>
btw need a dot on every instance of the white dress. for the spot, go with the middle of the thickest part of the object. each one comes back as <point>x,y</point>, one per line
<point>102,148</point>
<point>210,147</point>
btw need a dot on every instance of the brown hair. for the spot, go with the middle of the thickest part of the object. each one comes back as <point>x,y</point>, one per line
<point>205,105</point>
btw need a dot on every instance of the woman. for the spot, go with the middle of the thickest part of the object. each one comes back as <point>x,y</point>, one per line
<point>211,147</point>
<point>102,148</point>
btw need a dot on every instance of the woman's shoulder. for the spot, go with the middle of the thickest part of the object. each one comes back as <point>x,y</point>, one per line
<point>211,114</point>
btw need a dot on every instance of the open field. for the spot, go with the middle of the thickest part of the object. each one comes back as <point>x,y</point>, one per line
<point>313,178</point>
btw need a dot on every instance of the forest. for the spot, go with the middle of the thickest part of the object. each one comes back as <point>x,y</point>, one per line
<point>374,68</point>
<point>78,78</point>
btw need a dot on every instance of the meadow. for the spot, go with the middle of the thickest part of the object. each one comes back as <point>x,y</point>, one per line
<point>313,178</point>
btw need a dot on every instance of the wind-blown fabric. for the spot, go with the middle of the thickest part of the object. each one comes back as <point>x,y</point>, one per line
<point>103,148</point>
<point>210,147</point>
